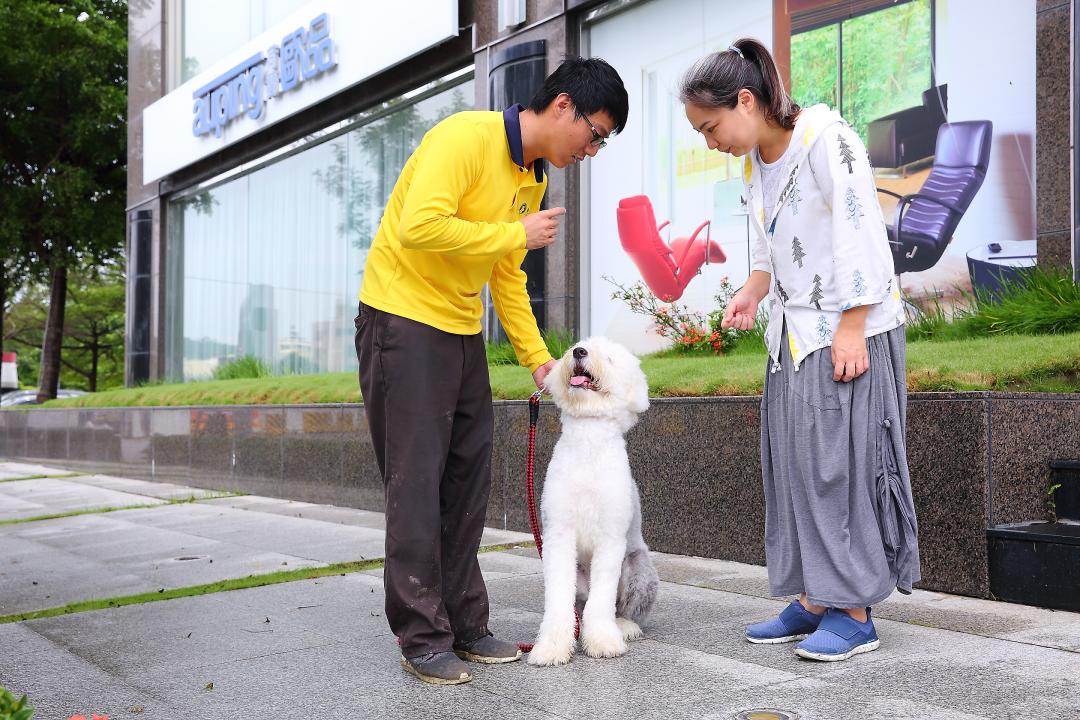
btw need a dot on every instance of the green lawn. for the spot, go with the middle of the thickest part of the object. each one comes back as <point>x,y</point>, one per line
<point>1046,363</point>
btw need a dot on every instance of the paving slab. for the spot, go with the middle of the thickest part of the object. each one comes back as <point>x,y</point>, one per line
<point>322,648</point>
<point>327,649</point>
<point>47,496</point>
<point>9,470</point>
<point>161,490</point>
<point>52,563</point>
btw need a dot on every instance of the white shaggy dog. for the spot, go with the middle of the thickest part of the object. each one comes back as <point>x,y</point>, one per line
<point>591,510</point>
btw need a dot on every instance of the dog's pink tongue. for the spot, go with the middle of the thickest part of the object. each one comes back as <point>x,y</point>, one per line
<point>578,380</point>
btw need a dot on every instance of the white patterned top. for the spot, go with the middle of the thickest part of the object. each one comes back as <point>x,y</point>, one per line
<point>824,240</point>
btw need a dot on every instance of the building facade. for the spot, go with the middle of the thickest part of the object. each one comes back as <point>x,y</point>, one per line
<point>265,137</point>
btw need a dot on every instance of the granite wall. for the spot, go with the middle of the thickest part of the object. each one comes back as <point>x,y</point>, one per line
<point>977,459</point>
<point>1053,118</point>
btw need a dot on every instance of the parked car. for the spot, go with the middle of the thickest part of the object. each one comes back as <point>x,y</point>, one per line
<point>29,397</point>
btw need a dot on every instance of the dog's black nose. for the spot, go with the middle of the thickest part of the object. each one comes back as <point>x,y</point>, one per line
<point>580,352</point>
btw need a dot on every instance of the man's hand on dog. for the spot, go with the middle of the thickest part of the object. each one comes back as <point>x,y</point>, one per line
<point>540,373</point>
<point>541,227</point>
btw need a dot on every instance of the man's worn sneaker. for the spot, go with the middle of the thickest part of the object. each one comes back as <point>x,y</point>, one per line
<point>442,668</point>
<point>795,623</point>
<point>838,637</point>
<point>486,649</point>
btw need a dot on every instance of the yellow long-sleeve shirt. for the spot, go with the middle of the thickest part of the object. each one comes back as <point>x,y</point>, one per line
<point>452,225</point>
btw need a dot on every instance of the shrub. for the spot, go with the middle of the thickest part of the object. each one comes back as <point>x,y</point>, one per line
<point>689,332</point>
<point>13,709</point>
<point>501,353</point>
<point>247,366</point>
<point>1044,302</point>
<point>557,341</point>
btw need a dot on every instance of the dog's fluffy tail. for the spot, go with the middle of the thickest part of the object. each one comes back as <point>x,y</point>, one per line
<point>638,586</point>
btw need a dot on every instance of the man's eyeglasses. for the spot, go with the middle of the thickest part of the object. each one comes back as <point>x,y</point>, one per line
<point>598,141</point>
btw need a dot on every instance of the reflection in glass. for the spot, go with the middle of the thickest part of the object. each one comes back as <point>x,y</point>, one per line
<point>269,264</point>
<point>885,57</point>
<point>212,28</point>
<point>886,62</point>
<point>814,60</point>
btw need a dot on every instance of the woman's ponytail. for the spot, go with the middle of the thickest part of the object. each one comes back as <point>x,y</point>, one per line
<point>716,79</point>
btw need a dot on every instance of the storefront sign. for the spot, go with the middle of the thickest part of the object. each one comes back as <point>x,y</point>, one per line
<point>245,88</point>
<point>322,49</point>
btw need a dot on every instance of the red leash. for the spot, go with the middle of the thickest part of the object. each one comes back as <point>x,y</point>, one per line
<point>530,499</point>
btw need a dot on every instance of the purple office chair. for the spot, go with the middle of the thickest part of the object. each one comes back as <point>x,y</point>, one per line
<point>919,236</point>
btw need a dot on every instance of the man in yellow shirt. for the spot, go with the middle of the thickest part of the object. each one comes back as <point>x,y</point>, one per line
<point>464,211</point>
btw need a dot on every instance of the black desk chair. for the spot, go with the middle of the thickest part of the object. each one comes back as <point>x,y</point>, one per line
<point>925,220</point>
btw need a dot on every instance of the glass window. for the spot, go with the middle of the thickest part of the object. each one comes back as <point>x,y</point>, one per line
<point>815,57</point>
<point>885,59</point>
<point>269,264</point>
<point>210,29</point>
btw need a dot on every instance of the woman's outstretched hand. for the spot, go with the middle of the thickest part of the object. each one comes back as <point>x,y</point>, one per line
<point>740,312</point>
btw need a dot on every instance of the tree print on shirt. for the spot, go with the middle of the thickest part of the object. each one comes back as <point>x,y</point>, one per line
<point>797,252</point>
<point>858,284</point>
<point>846,156</point>
<point>815,294</point>
<point>794,198</point>
<point>824,334</point>
<point>854,207</point>
<point>780,291</point>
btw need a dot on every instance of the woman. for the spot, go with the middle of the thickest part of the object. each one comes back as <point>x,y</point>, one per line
<point>840,528</point>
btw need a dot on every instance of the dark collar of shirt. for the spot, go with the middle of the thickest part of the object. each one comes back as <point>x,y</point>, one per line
<point>512,121</point>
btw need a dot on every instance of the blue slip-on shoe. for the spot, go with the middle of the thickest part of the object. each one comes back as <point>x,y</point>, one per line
<point>794,623</point>
<point>838,637</point>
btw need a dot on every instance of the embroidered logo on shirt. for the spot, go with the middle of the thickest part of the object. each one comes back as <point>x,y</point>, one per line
<point>523,209</point>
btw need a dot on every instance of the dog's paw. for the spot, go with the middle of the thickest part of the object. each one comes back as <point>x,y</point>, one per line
<point>548,652</point>
<point>603,641</point>
<point>630,629</point>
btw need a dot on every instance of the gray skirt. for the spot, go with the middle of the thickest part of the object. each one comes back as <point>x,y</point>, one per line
<point>839,517</point>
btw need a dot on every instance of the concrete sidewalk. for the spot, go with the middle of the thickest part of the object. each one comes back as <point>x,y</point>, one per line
<point>321,647</point>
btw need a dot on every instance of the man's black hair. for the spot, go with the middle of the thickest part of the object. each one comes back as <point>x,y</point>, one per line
<point>592,84</point>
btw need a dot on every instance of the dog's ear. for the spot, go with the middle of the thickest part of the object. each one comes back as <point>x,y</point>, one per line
<point>554,383</point>
<point>639,401</point>
<point>639,385</point>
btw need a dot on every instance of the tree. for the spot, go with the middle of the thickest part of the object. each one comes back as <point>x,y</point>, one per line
<point>93,330</point>
<point>24,323</point>
<point>63,100</point>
